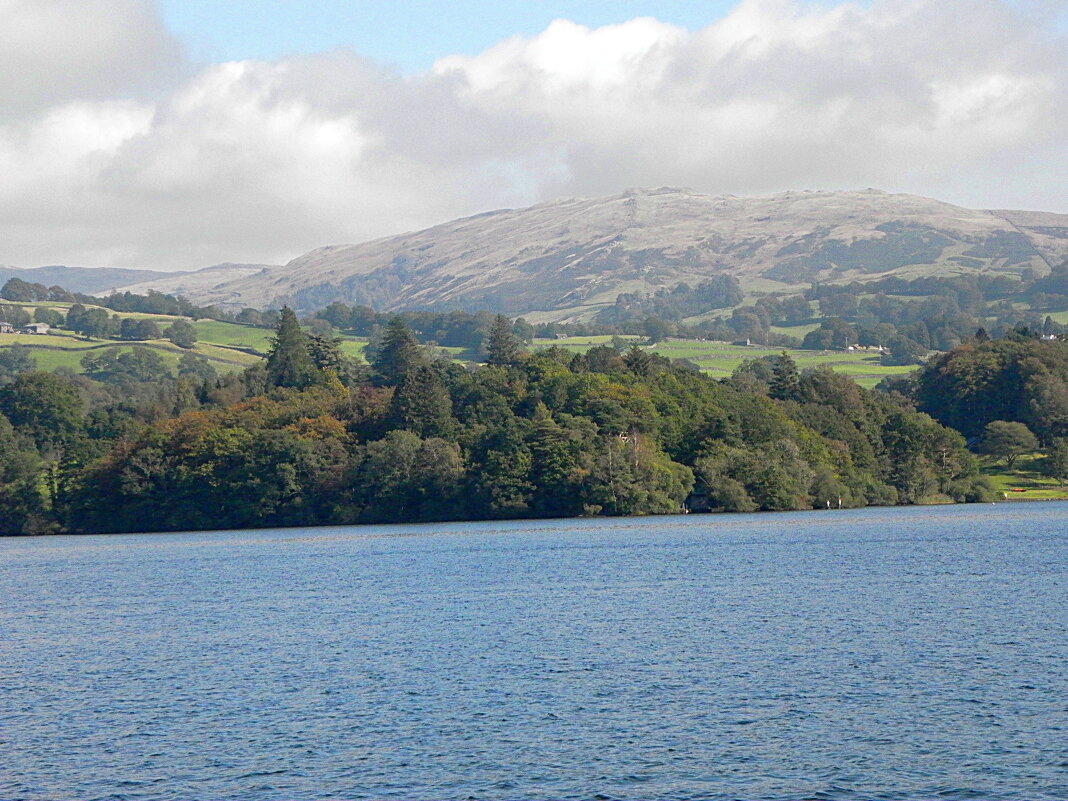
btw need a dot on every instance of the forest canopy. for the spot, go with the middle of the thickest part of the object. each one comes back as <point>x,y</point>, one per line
<point>310,436</point>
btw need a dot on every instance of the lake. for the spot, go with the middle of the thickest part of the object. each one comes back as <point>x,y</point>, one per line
<point>878,653</point>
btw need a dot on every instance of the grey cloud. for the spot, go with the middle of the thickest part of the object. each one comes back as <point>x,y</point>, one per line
<point>53,51</point>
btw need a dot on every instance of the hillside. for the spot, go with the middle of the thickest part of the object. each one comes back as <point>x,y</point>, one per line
<point>89,280</point>
<point>569,257</point>
<point>197,283</point>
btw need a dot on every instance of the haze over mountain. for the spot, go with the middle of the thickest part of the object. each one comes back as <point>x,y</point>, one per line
<point>571,257</point>
<point>90,280</point>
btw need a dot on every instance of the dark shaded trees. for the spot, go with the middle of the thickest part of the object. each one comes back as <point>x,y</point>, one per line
<point>502,345</point>
<point>785,381</point>
<point>289,364</point>
<point>44,406</point>
<point>398,353</point>
<point>421,404</point>
<point>182,334</point>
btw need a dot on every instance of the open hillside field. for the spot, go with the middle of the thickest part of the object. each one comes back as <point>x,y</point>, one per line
<point>719,359</point>
<point>50,352</point>
<point>1025,482</point>
<point>228,346</point>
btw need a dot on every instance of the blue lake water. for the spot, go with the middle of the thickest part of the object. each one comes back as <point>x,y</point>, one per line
<point>886,653</point>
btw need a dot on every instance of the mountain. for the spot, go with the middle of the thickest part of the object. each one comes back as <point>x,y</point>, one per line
<point>88,280</point>
<point>198,283</point>
<point>568,258</point>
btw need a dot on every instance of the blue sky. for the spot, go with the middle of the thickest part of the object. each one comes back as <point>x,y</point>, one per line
<point>409,34</point>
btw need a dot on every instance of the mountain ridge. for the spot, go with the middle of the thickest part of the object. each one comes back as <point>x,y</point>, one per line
<point>569,257</point>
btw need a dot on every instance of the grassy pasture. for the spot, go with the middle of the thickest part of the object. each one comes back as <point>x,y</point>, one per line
<point>1025,477</point>
<point>228,346</point>
<point>719,359</point>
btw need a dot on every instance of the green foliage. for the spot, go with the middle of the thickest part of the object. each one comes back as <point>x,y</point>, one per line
<point>404,477</point>
<point>421,404</point>
<point>502,346</point>
<point>14,361</point>
<point>91,322</point>
<point>23,508</point>
<point>1007,440</point>
<point>182,334</point>
<point>1017,379</point>
<point>16,315</point>
<point>903,350</point>
<point>15,289</point>
<point>48,315</point>
<point>785,381</point>
<point>289,364</point>
<point>44,406</point>
<point>114,366</point>
<point>546,434</point>
<point>132,329</point>
<point>630,476</point>
<point>193,366</point>
<point>1055,465</point>
<point>398,354</point>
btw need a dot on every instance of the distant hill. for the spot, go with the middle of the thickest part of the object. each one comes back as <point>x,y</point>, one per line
<point>88,280</point>
<point>198,283</point>
<point>568,258</point>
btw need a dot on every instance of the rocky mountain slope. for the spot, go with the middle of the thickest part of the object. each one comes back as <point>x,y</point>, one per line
<point>570,257</point>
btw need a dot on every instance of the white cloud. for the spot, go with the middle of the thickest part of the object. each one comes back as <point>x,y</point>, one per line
<point>966,100</point>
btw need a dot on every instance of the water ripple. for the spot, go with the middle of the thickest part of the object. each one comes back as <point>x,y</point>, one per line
<point>868,654</point>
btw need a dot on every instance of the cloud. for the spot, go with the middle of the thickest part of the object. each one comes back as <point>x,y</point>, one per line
<point>53,51</point>
<point>966,100</point>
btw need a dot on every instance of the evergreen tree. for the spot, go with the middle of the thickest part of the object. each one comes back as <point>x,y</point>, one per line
<point>554,468</point>
<point>398,354</point>
<point>289,364</point>
<point>502,346</point>
<point>325,351</point>
<point>638,360</point>
<point>785,381</point>
<point>422,404</point>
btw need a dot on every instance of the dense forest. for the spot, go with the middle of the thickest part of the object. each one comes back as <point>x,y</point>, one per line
<point>310,436</point>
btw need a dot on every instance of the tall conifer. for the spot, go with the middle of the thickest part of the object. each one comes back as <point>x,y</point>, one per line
<point>785,383</point>
<point>289,364</point>
<point>399,354</point>
<point>503,347</point>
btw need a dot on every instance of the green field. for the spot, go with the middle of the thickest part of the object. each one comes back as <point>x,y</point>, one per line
<point>1025,482</point>
<point>719,359</point>
<point>228,346</point>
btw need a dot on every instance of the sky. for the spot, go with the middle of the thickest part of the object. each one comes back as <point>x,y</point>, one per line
<point>166,135</point>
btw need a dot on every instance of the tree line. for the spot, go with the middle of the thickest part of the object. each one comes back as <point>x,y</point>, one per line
<point>310,436</point>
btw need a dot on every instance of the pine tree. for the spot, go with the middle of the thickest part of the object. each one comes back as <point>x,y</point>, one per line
<point>398,354</point>
<point>785,383</point>
<point>289,364</point>
<point>639,361</point>
<point>503,347</point>
<point>553,469</point>
<point>421,404</point>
